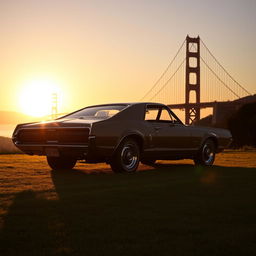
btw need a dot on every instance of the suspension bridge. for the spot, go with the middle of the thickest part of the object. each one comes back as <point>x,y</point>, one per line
<point>195,79</point>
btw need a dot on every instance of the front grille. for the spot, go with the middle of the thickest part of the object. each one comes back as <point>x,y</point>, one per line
<point>53,136</point>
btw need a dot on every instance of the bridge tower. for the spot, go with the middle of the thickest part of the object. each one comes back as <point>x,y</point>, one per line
<point>54,105</point>
<point>192,83</point>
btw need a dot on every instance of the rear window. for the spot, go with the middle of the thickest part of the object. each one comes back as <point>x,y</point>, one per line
<point>99,112</point>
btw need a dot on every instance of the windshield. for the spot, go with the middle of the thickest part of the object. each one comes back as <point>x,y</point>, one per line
<point>99,112</point>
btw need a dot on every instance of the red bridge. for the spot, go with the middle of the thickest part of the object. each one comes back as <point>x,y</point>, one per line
<point>198,68</point>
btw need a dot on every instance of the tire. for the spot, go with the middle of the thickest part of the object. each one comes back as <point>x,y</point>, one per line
<point>148,161</point>
<point>206,154</point>
<point>61,163</point>
<point>126,158</point>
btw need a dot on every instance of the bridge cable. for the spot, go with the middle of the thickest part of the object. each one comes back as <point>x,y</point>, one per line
<point>168,79</point>
<point>219,78</point>
<point>225,69</point>
<point>165,71</point>
<point>164,85</point>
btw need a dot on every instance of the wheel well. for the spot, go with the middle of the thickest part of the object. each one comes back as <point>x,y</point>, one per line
<point>135,137</point>
<point>215,141</point>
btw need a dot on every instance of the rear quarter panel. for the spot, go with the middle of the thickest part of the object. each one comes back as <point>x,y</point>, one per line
<point>110,132</point>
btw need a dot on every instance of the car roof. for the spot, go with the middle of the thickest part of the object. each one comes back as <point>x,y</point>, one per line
<point>127,103</point>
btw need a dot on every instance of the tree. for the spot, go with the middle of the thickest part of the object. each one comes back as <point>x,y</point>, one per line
<point>242,125</point>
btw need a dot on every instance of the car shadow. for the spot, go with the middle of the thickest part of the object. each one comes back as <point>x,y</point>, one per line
<point>97,212</point>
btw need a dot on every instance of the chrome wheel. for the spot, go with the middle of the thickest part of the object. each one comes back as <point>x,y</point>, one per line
<point>206,154</point>
<point>129,157</point>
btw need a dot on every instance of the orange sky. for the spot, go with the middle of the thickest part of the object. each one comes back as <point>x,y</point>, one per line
<point>113,51</point>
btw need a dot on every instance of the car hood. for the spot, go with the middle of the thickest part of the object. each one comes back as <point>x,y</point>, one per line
<point>219,132</point>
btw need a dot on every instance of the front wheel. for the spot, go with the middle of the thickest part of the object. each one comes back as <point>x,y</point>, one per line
<point>127,157</point>
<point>206,154</point>
<point>61,163</point>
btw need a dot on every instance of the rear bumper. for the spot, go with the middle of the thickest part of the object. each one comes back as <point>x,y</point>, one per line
<point>64,141</point>
<point>78,151</point>
<point>88,152</point>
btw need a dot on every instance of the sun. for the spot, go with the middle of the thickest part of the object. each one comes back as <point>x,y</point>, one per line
<point>35,98</point>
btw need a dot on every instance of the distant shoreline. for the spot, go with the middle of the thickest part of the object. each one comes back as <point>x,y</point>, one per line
<point>6,130</point>
<point>7,146</point>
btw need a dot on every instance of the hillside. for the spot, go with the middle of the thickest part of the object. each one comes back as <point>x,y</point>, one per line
<point>6,146</point>
<point>11,117</point>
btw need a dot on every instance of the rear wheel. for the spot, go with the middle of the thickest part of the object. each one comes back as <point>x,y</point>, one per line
<point>61,163</point>
<point>127,157</point>
<point>206,154</point>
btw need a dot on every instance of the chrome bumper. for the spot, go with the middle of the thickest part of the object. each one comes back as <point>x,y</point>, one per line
<point>79,151</point>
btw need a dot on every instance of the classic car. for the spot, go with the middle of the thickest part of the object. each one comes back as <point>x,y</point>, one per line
<point>121,135</point>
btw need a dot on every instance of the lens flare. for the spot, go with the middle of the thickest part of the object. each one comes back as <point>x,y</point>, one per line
<point>35,99</point>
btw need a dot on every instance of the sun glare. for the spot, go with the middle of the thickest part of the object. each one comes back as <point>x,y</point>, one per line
<point>36,97</point>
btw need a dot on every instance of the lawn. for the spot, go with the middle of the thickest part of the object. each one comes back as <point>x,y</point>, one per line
<point>173,209</point>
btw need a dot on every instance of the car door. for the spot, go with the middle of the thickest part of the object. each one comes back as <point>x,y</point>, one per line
<point>170,135</point>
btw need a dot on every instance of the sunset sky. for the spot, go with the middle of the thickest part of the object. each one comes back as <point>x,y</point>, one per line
<point>93,52</point>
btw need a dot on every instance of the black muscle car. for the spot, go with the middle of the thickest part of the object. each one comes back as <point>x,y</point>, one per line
<point>121,135</point>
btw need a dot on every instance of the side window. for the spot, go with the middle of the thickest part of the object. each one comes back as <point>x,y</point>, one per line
<point>165,116</point>
<point>151,114</point>
<point>159,114</point>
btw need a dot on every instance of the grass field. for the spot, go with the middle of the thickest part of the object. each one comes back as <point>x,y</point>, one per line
<point>173,209</point>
